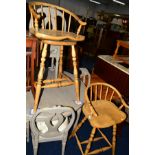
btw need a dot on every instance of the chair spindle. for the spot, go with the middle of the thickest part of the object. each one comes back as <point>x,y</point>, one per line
<point>69,22</point>
<point>49,20</point>
<point>63,17</point>
<point>100,92</point>
<point>107,89</point>
<point>42,23</point>
<point>112,95</point>
<point>55,18</point>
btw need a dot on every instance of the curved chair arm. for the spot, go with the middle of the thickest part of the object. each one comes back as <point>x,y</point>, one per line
<point>124,103</point>
<point>36,15</point>
<point>93,112</point>
<point>32,9</point>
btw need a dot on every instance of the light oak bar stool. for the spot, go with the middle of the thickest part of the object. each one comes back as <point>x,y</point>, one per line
<point>103,108</point>
<point>53,36</point>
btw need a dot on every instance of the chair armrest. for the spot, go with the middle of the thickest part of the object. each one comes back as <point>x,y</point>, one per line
<point>93,112</point>
<point>124,103</point>
<point>36,15</point>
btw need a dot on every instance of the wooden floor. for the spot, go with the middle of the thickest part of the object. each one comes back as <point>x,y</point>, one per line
<point>96,78</point>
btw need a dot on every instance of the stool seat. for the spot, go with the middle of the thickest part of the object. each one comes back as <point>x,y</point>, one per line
<point>108,114</point>
<point>57,35</point>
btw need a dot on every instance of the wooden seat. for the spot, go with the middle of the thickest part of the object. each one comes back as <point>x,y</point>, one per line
<point>57,35</point>
<point>52,35</point>
<point>108,114</point>
<point>103,108</point>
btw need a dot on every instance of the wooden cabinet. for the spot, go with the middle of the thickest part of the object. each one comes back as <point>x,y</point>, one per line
<point>31,60</point>
<point>113,75</point>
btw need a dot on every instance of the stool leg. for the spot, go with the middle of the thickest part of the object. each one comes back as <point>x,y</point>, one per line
<point>114,140</point>
<point>61,62</point>
<point>40,77</point>
<point>75,73</point>
<point>90,141</point>
<point>77,127</point>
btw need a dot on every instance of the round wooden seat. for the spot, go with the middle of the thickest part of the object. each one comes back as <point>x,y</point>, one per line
<point>108,114</point>
<point>57,35</point>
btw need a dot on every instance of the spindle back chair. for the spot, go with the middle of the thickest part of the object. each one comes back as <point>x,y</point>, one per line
<point>55,35</point>
<point>103,108</point>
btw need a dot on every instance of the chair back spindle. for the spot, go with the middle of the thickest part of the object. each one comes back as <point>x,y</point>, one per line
<point>69,22</point>
<point>55,19</point>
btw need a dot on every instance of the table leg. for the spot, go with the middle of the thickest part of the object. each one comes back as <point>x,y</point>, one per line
<point>40,77</point>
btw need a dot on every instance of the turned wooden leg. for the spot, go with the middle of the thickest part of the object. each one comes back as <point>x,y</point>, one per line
<point>90,141</point>
<point>114,140</point>
<point>40,77</point>
<point>77,127</point>
<point>75,73</point>
<point>41,45</point>
<point>61,62</point>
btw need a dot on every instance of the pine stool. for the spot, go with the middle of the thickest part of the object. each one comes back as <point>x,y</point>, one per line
<point>53,36</point>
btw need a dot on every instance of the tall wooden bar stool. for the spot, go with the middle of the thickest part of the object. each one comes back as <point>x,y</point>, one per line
<point>103,108</point>
<point>52,35</point>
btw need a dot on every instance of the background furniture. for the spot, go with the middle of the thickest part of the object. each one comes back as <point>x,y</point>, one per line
<point>122,56</point>
<point>103,108</point>
<point>121,43</point>
<point>54,36</point>
<point>109,69</point>
<point>31,60</point>
<point>53,121</point>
